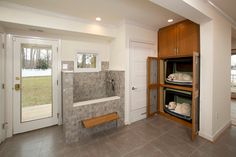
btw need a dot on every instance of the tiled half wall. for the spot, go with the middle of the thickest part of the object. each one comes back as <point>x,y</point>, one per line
<point>86,86</point>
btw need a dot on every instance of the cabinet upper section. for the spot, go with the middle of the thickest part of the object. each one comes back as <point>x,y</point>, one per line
<point>179,40</point>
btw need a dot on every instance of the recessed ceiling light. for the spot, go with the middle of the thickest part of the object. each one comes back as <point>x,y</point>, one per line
<point>98,19</point>
<point>170,20</point>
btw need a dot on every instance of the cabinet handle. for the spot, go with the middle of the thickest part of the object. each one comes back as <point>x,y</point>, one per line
<point>177,50</point>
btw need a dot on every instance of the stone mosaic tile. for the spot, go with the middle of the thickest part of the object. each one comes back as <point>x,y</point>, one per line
<point>87,86</point>
<point>104,65</point>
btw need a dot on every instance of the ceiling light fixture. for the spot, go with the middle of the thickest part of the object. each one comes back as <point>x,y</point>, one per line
<point>98,19</point>
<point>170,20</point>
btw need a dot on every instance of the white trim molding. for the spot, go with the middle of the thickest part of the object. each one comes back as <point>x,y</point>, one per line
<point>229,18</point>
<point>215,136</point>
<point>9,79</point>
<point>233,121</point>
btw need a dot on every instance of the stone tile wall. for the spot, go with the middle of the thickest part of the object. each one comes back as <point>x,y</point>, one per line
<point>104,65</point>
<point>72,116</point>
<point>89,85</point>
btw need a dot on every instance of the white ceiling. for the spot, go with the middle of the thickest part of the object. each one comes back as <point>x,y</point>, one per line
<point>227,6</point>
<point>111,11</point>
<point>26,30</point>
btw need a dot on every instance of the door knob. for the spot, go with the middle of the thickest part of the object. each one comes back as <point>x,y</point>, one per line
<point>133,88</point>
<point>17,87</point>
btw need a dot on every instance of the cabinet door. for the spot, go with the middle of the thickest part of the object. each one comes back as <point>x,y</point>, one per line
<point>152,86</point>
<point>195,94</point>
<point>167,41</point>
<point>187,38</point>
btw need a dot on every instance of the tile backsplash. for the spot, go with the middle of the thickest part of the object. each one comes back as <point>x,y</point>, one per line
<point>89,85</point>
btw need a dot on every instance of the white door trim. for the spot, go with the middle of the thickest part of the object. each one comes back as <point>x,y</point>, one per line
<point>9,81</point>
<point>2,93</point>
<point>18,126</point>
<point>132,44</point>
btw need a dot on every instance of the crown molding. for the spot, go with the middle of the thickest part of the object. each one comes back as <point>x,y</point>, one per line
<point>229,18</point>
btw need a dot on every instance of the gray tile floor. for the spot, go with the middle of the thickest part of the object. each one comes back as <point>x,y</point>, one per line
<point>155,137</point>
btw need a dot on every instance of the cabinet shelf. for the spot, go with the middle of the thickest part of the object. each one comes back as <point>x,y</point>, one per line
<point>190,89</point>
<point>183,122</point>
<point>175,57</point>
<point>193,89</point>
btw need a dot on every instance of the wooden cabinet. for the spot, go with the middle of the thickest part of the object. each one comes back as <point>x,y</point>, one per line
<point>191,121</point>
<point>178,40</point>
<point>178,47</point>
<point>167,41</point>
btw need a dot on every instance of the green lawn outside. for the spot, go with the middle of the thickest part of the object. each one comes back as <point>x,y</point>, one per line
<point>36,91</point>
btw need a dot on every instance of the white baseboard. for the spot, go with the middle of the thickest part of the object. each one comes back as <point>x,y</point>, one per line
<point>233,121</point>
<point>214,137</point>
<point>205,136</point>
<point>221,130</point>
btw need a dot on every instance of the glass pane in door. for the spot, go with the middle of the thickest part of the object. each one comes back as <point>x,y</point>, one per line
<point>36,82</point>
<point>233,73</point>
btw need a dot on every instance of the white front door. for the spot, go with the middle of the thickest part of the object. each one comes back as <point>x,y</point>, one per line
<point>35,84</point>
<point>139,53</point>
<point>2,75</point>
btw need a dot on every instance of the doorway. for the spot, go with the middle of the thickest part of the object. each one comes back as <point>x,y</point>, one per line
<point>35,82</point>
<point>233,86</point>
<point>233,75</point>
<point>139,52</point>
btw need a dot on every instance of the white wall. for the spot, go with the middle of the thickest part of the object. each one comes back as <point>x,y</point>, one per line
<point>14,13</point>
<point>119,54</point>
<point>233,43</point>
<point>71,43</point>
<point>206,77</point>
<point>220,73</point>
<point>70,47</point>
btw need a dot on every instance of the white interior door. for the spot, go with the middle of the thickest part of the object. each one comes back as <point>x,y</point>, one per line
<point>139,53</point>
<point>35,81</point>
<point>2,75</point>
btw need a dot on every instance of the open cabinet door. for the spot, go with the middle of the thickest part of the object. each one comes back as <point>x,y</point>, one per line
<point>152,105</point>
<point>196,94</point>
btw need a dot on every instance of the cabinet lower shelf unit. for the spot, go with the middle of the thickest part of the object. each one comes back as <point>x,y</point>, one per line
<point>180,102</point>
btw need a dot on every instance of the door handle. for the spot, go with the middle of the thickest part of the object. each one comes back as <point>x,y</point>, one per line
<point>17,87</point>
<point>133,88</point>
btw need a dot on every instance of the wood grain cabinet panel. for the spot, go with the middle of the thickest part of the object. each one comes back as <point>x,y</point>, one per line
<point>167,41</point>
<point>187,38</point>
<point>180,39</point>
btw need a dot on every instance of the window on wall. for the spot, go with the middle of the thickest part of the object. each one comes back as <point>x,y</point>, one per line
<point>87,62</point>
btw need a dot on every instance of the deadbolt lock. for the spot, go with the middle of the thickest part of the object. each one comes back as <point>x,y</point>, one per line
<point>17,87</point>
